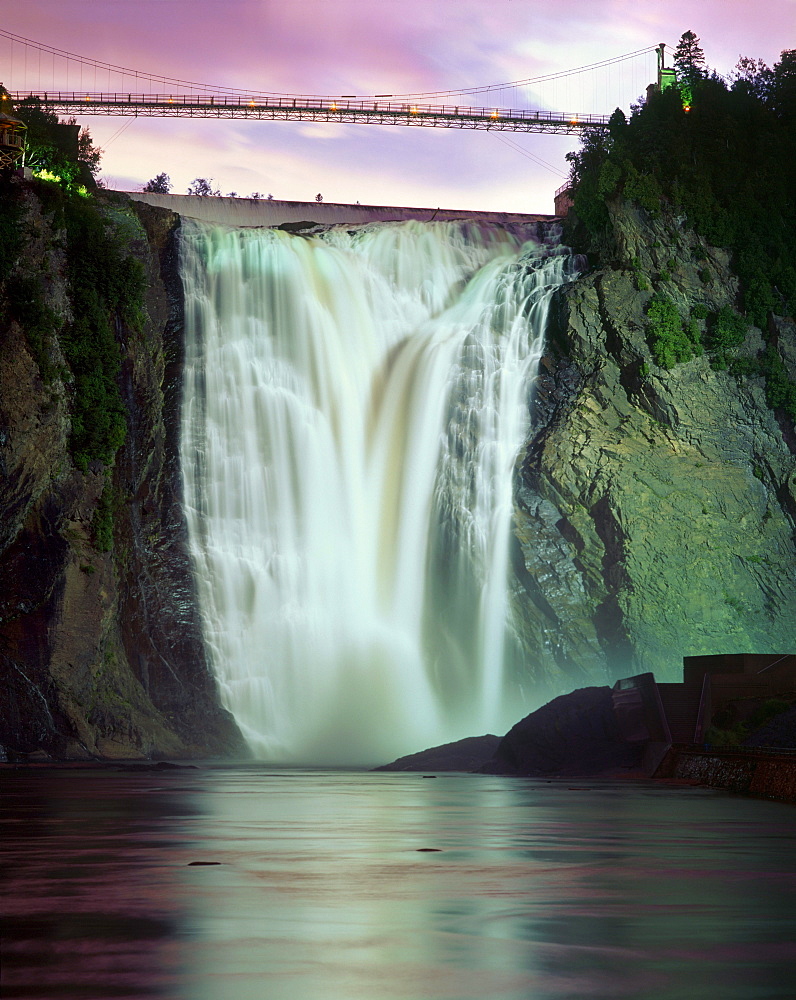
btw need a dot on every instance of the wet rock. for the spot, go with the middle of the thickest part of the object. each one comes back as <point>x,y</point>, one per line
<point>654,511</point>
<point>100,652</point>
<point>463,755</point>
<point>573,735</point>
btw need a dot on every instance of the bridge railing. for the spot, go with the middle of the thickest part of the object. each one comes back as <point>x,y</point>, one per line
<point>326,104</point>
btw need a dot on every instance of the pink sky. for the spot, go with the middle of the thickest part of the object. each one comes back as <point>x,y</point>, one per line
<point>365,47</point>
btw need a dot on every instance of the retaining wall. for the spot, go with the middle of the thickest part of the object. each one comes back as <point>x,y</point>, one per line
<point>253,212</point>
<point>765,775</point>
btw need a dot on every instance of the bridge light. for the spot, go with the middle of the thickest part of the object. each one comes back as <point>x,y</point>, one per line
<point>171,100</point>
<point>573,121</point>
<point>494,114</point>
<point>333,106</point>
<point>413,111</point>
<point>252,104</point>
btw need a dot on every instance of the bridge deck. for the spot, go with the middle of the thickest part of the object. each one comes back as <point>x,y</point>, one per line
<point>319,109</point>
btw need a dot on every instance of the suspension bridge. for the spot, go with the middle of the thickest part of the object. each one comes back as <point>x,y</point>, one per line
<point>314,109</point>
<point>164,97</point>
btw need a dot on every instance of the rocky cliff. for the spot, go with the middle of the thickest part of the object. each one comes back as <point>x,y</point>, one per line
<point>100,644</point>
<point>656,507</point>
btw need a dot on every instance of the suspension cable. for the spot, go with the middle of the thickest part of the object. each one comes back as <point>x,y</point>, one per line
<point>193,85</point>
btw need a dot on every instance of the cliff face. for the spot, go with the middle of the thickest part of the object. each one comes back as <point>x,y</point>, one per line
<point>656,508</point>
<point>100,651</point>
<point>655,512</point>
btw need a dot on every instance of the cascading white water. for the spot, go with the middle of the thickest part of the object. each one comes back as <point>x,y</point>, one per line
<point>354,404</point>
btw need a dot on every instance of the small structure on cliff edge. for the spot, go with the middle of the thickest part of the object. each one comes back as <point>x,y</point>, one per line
<point>713,687</point>
<point>562,199</point>
<point>12,142</point>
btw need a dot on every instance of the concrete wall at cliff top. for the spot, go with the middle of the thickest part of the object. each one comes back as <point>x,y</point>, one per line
<point>250,212</point>
<point>656,510</point>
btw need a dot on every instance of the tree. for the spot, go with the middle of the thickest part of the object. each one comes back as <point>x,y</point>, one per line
<point>783,87</point>
<point>160,184</point>
<point>319,197</point>
<point>689,60</point>
<point>58,146</point>
<point>87,152</point>
<point>753,76</point>
<point>728,166</point>
<point>201,187</point>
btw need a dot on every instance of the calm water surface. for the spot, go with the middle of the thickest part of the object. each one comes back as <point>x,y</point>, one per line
<point>324,886</point>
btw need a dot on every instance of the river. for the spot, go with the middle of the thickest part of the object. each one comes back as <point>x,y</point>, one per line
<point>259,884</point>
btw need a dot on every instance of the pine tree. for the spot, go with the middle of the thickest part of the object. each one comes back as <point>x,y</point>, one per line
<point>689,59</point>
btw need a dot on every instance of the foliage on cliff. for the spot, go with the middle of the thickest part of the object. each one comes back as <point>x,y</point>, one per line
<point>723,154</point>
<point>51,146</point>
<point>105,288</point>
<point>720,156</point>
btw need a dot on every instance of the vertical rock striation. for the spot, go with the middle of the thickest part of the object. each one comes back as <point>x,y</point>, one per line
<point>100,651</point>
<point>655,509</point>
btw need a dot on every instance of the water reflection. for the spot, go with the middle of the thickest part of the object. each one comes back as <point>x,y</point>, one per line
<point>323,889</point>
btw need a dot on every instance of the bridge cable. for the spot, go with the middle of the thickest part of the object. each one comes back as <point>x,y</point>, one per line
<point>529,155</point>
<point>155,77</point>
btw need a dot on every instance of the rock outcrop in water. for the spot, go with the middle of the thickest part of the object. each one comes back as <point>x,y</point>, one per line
<point>100,651</point>
<point>655,508</point>
<point>468,754</point>
<point>576,734</point>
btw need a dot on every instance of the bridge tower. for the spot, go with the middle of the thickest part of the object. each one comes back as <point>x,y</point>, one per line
<point>667,75</point>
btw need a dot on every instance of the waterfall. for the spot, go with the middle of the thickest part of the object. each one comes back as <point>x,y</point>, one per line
<point>354,405</point>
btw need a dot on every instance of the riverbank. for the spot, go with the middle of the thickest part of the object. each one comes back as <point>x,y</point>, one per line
<point>768,773</point>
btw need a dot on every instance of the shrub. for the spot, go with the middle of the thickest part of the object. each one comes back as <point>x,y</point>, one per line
<point>106,281</point>
<point>759,299</point>
<point>609,177</point>
<point>102,521</point>
<point>665,335</point>
<point>730,737</point>
<point>694,334</point>
<point>780,390</point>
<point>26,300</point>
<point>10,230</point>
<point>644,189</point>
<point>727,331</point>
<point>768,710</point>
